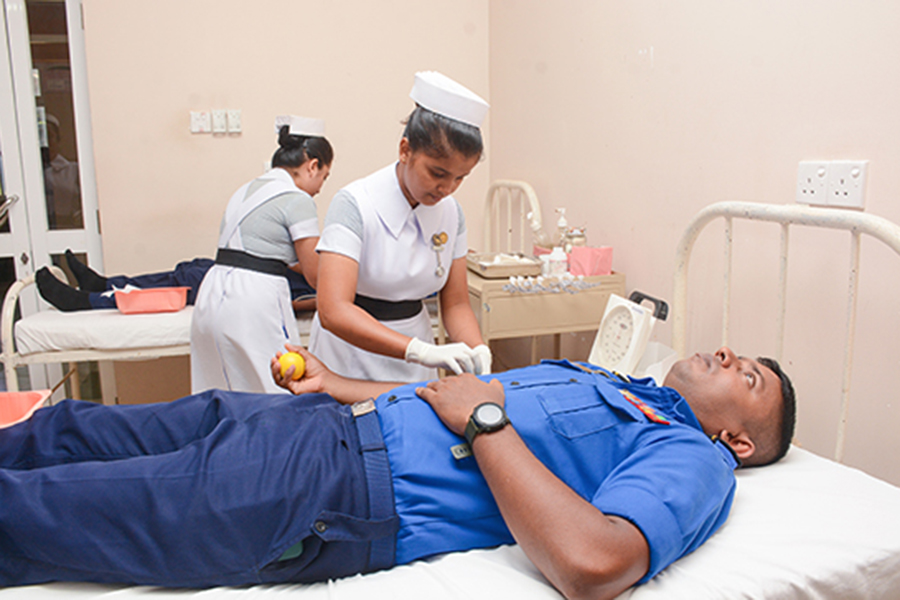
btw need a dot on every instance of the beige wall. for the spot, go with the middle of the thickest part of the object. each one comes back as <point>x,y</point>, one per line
<point>632,115</point>
<point>635,115</point>
<point>162,189</point>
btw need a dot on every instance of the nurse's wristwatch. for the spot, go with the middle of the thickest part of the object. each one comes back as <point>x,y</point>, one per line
<point>486,417</point>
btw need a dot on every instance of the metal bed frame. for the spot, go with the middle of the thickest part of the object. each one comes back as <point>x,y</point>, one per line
<point>857,223</point>
<point>512,212</point>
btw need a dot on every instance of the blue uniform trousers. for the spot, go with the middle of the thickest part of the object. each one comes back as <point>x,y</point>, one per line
<point>209,490</point>
<point>185,274</point>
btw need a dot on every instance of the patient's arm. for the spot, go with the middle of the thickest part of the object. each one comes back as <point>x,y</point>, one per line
<point>318,378</point>
<point>583,552</point>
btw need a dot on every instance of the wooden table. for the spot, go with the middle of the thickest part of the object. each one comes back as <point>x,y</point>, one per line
<point>509,314</point>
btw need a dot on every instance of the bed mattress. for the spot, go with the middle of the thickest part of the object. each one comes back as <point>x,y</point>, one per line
<point>55,331</point>
<point>52,330</point>
<point>804,528</point>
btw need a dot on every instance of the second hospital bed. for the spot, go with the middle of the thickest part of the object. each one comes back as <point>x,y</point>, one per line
<point>807,527</point>
<point>52,336</point>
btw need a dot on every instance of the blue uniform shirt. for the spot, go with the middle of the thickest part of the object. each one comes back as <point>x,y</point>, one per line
<point>633,450</point>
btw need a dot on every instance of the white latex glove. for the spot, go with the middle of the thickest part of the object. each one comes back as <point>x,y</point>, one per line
<point>483,359</point>
<point>454,357</point>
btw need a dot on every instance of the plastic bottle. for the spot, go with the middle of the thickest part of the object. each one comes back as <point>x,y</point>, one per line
<point>558,262</point>
<point>538,235</point>
<point>562,227</point>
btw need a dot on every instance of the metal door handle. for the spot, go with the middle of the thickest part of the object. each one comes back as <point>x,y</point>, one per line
<point>4,207</point>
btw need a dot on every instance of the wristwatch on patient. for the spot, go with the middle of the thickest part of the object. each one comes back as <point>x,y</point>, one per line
<point>486,417</point>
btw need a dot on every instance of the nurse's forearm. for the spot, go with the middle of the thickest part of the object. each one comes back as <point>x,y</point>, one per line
<point>456,311</point>
<point>355,326</point>
<point>461,325</point>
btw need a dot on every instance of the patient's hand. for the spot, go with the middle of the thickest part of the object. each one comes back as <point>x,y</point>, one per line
<point>312,381</point>
<point>454,398</point>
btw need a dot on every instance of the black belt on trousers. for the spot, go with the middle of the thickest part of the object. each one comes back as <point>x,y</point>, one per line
<point>385,310</point>
<point>240,259</point>
<point>378,482</point>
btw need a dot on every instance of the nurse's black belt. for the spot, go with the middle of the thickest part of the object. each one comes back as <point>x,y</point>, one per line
<point>385,310</point>
<point>240,259</point>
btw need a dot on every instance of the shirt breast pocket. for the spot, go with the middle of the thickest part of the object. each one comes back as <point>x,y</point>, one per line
<point>577,411</point>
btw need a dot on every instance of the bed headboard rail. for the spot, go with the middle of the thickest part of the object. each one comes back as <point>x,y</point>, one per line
<point>511,211</point>
<point>857,223</point>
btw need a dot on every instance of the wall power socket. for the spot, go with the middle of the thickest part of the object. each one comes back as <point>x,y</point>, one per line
<point>838,183</point>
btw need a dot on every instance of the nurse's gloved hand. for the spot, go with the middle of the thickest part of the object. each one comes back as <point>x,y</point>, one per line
<point>453,357</point>
<point>483,359</point>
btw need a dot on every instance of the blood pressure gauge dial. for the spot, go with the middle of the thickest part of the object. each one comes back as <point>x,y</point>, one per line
<point>625,331</point>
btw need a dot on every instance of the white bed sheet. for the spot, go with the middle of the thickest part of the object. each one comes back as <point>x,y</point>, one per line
<point>109,329</point>
<point>52,330</point>
<point>806,528</point>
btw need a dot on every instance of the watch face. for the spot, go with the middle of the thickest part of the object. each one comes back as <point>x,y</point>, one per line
<point>489,414</point>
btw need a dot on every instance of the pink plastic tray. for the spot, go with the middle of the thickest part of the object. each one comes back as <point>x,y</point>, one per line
<point>152,300</point>
<point>15,407</point>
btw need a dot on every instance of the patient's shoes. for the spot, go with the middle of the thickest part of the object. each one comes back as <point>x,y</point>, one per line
<point>88,279</point>
<point>60,295</point>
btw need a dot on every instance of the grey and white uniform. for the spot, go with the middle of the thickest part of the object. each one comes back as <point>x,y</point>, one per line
<point>242,317</point>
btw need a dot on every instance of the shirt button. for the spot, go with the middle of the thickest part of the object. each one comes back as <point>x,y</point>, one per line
<point>321,526</point>
<point>392,398</point>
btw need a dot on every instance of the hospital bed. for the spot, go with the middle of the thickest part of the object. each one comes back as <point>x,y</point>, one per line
<point>807,527</point>
<point>52,336</point>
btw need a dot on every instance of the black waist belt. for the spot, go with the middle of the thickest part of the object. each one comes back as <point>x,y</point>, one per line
<point>242,260</point>
<point>385,310</point>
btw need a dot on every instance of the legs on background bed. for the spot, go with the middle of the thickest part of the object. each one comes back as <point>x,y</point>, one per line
<point>208,490</point>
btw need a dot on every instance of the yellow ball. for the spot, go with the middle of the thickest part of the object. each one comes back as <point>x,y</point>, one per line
<point>292,359</point>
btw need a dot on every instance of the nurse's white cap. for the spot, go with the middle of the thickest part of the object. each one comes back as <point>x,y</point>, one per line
<point>438,93</point>
<point>301,125</point>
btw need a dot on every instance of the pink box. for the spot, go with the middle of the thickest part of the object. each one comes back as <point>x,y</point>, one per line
<point>585,260</point>
<point>152,300</point>
<point>15,407</point>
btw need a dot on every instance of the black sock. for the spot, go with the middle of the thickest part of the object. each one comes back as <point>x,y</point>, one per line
<point>88,279</point>
<point>60,295</point>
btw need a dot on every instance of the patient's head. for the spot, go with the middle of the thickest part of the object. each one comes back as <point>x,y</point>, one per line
<point>749,403</point>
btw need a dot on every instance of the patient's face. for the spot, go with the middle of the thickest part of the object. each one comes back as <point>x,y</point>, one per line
<point>726,391</point>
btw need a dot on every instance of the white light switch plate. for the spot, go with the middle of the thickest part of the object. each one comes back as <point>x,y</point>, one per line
<point>219,123</point>
<point>234,120</point>
<point>200,121</point>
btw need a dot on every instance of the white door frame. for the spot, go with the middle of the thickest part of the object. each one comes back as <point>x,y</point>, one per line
<point>31,242</point>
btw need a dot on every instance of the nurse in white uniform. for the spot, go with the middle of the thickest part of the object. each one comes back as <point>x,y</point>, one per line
<point>243,314</point>
<point>394,238</point>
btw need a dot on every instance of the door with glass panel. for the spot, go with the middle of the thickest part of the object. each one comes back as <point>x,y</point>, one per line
<point>46,159</point>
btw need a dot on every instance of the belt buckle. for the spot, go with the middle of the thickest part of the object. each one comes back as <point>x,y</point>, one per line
<point>363,408</point>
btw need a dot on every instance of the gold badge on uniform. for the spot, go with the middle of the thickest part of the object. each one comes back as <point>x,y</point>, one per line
<point>437,244</point>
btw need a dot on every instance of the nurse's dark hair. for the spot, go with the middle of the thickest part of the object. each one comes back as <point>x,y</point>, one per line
<point>775,443</point>
<point>294,150</point>
<point>436,135</point>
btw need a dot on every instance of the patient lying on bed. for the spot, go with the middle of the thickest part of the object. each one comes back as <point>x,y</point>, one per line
<point>96,291</point>
<point>601,480</point>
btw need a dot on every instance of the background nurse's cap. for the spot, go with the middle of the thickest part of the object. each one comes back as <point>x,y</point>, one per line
<point>438,93</point>
<point>301,125</point>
